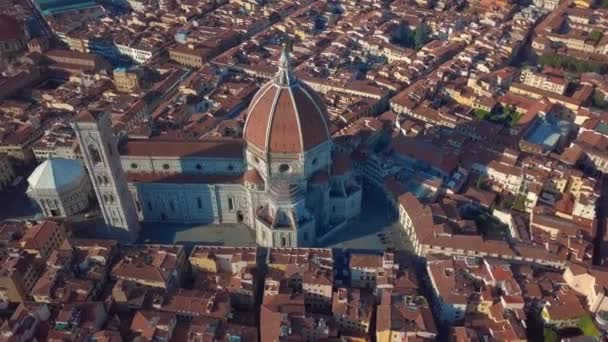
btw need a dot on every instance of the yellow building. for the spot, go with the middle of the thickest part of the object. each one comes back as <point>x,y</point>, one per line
<point>470,99</point>
<point>203,262</point>
<point>126,80</point>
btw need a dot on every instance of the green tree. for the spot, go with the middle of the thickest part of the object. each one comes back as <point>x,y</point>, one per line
<point>421,36</point>
<point>402,35</point>
<point>599,100</point>
<point>480,113</point>
<point>595,35</point>
<point>570,63</point>
<point>550,335</point>
<point>588,327</point>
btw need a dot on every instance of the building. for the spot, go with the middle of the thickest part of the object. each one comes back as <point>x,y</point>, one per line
<point>78,321</point>
<point>127,80</point>
<point>280,180</point>
<point>352,309</point>
<point>400,317</point>
<point>41,239</point>
<point>159,266</point>
<point>12,35</point>
<point>60,187</point>
<point>153,325</point>
<point>366,269</point>
<point>546,81</point>
<point>25,321</point>
<point>7,172</point>
<point>18,274</point>
<point>48,7</point>
<point>100,152</point>
<point>76,62</point>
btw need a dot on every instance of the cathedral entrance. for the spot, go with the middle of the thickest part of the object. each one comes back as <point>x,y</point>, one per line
<point>239,217</point>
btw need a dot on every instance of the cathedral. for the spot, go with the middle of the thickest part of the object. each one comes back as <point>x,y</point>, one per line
<point>282,179</point>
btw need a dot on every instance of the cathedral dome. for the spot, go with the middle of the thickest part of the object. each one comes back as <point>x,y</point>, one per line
<point>286,116</point>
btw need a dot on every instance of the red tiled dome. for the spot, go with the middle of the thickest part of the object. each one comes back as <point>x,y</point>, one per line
<point>286,116</point>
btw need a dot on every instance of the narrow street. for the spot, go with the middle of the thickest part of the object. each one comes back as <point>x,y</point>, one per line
<point>599,254</point>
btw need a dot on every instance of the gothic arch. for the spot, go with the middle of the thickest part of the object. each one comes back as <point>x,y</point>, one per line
<point>94,153</point>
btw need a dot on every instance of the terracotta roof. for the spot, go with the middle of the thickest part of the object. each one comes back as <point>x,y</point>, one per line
<point>365,261</point>
<point>39,235</point>
<point>181,178</point>
<point>212,148</point>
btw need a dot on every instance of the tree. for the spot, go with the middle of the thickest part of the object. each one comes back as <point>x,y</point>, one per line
<point>595,35</point>
<point>480,113</point>
<point>571,64</point>
<point>421,35</point>
<point>402,35</point>
<point>599,100</point>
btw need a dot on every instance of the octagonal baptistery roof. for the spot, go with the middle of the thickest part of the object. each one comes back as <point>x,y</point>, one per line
<point>285,115</point>
<point>57,174</point>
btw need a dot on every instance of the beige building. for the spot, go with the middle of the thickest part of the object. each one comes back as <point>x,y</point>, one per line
<point>127,80</point>
<point>544,81</point>
<point>591,283</point>
<point>194,58</point>
<point>19,272</point>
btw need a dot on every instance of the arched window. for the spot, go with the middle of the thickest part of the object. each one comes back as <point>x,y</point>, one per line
<point>95,156</point>
<point>283,242</point>
<point>106,180</point>
<point>230,204</point>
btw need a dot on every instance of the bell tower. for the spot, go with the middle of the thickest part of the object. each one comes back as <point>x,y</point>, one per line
<point>99,150</point>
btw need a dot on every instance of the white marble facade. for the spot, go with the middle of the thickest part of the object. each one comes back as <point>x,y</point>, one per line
<point>286,191</point>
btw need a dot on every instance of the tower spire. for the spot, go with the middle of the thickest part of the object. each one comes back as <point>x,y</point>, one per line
<point>285,76</point>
